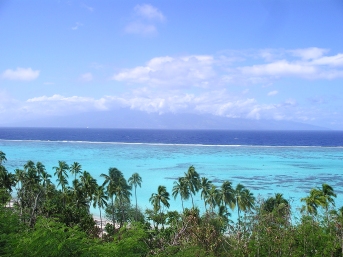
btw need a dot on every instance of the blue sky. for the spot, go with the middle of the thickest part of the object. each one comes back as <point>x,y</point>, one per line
<point>255,60</point>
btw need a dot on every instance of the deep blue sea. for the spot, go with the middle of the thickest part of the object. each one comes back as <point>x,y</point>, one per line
<point>196,137</point>
<point>266,162</point>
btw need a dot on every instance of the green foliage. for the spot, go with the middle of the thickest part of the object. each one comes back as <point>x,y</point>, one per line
<point>131,240</point>
<point>5,196</point>
<point>51,238</point>
<point>117,189</point>
<point>191,251</point>
<point>10,227</point>
<point>314,239</point>
<point>156,217</point>
<point>160,199</point>
<point>70,213</point>
<point>51,221</point>
<point>123,212</point>
<point>7,181</point>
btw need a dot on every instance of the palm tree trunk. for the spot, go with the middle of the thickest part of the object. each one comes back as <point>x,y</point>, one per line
<point>102,233</point>
<point>122,213</point>
<point>239,218</point>
<point>136,202</point>
<point>34,209</point>
<point>113,221</point>
<point>328,217</point>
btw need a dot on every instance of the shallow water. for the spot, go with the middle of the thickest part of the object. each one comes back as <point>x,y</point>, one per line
<point>265,170</point>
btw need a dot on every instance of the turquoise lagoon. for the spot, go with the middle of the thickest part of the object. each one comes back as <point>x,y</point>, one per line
<point>292,171</point>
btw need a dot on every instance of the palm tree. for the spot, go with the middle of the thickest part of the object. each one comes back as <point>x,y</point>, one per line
<point>19,177</point>
<point>227,195</point>
<point>213,197</point>
<point>275,203</point>
<point>192,180</point>
<point>40,168</point>
<point>161,197</point>
<point>313,201</point>
<point>205,186</point>
<point>243,199</point>
<point>75,169</point>
<point>2,157</point>
<point>32,177</point>
<point>89,184</point>
<point>78,194</point>
<point>7,180</point>
<point>135,180</point>
<point>180,188</point>
<point>100,199</point>
<point>33,190</point>
<point>329,194</point>
<point>63,182</point>
<point>111,180</point>
<point>249,200</point>
<point>338,216</point>
<point>30,166</point>
<point>123,194</point>
<point>61,173</point>
<point>46,178</point>
<point>277,209</point>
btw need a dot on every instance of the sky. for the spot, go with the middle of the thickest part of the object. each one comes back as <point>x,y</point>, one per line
<point>257,60</point>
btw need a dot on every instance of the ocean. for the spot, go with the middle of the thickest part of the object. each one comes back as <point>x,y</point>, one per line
<point>266,162</point>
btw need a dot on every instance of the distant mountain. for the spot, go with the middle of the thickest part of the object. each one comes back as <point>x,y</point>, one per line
<point>126,118</point>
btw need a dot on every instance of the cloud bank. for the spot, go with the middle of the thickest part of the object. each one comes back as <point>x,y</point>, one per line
<point>145,20</point>
<point>24,74</point>
<point>219,84</point>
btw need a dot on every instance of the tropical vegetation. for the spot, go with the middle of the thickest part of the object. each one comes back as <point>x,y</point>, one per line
<point>39,218</point>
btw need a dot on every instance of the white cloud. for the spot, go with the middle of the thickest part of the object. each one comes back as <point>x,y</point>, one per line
<point>271,93</point>
<point>77,26</point>
<point>57,98</point>
<point>148,11</point>
<point>310,64</point>
<point>206,71</point>
<point>279,68</point>
<point>25,74</point>
<point>138,27</point>
<point>309,53</point>
<point>145,21</point>
<point>221,104</point>
<point>329,74</point>
<point>89,8</point>
<point>187,71</point>
<point>214,102</point>
<point>58,103</point>
<point>336,60</point>
<point>206,84</point>
<point>86,77</point>
<point>269,55</point>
